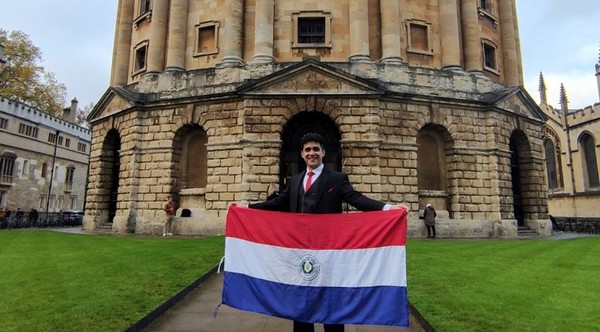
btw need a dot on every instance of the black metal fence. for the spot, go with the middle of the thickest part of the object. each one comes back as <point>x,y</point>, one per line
<point>579,225</point>
<point>20,219</point>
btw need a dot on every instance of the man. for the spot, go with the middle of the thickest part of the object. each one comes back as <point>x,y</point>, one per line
<point>319,190</point>
<point>170,212</point>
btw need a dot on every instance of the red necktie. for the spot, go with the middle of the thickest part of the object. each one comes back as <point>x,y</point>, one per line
<point>309,180</point>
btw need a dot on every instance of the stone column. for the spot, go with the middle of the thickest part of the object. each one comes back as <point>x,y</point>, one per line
<point>518,41</point>
<point>158,37</point>
<point>177,35</point>
<point>391,51</point>
<point>234,27</point>
<point>449,34</point>
<point>509,42</point>
<point>471,36</point>
<point>359,30</point>
<point>122,44</point>
<point>263,32</point>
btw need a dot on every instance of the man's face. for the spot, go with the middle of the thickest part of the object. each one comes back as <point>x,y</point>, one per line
<point>313,153</point>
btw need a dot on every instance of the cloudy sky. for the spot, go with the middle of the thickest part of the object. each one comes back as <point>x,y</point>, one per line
<point>560,38</point>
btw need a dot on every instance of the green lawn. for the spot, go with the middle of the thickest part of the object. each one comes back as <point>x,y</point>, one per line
<point>53,281</point>
<point>506,285</point>
<point>68,282</point>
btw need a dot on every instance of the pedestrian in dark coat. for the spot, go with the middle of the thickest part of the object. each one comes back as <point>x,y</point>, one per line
<point>430,215</point>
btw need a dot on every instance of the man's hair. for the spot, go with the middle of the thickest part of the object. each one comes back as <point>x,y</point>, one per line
<point>312,137</point>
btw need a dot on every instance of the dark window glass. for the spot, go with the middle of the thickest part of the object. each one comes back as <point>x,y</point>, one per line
<point>140,58</point>
<point>489,53</point>
<point>484,4</point>
<point>311,30</point>
<point>551,164</point>
<point>591,163</point>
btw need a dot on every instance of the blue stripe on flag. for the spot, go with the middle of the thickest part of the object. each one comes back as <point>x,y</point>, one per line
<point>380,305</point>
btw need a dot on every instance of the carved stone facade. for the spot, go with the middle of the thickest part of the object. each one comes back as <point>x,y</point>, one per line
<point>392,93</point>
<point>571,150</point>
<point>43,159</point>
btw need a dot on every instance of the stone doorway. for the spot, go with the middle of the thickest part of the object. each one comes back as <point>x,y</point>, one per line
<point>299,125</point>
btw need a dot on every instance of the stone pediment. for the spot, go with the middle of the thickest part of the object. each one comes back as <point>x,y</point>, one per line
<point>308,78</point>
<point>114,100</point>
<point>517,100</point>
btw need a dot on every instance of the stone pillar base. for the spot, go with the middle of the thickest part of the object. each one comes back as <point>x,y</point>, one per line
<point>231,61</point>
<point>541,226</point>
<point>392,60</point>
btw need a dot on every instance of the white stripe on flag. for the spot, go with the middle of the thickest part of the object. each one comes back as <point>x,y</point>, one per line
<point>383,266</point>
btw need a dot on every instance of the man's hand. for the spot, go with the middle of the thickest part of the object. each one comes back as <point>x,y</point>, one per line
<point>400,206</point>
<point>239,204</point>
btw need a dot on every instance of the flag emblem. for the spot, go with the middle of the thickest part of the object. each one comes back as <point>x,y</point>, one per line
<point>308,267</point>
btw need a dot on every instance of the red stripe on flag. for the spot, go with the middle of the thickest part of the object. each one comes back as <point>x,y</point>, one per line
<point>318,231</point>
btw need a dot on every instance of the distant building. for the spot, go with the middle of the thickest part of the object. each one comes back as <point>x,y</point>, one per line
<point>572,148</point>
<point>421,101</point>
<point>43,159</point>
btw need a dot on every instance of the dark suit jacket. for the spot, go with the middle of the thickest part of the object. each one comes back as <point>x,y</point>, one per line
<point>324,196</point>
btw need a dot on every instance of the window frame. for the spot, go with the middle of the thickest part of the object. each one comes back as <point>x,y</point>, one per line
<point>69,177</point>
<point>136,70</point>
<point>488,44</point>
<point>28,130</point>
<point>587,163</point>
<point>552,173</point>
<point>25,169</point>
<point>3,123</point>
<point>485,9</point>
<point>319,14</point>
<point>7,169</point>
<point>81,147</point>
<point>203,25</point>
<point>144,10</point>
<point>44,174</point>
<point>427,26</point>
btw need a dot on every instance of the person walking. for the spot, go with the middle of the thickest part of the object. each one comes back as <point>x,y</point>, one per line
<point>319,190</point>
<point>429,214</point>
<point>170,212</point>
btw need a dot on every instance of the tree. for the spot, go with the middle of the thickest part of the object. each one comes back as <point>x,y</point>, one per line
<point>81,116</point>
<point>23,78</point>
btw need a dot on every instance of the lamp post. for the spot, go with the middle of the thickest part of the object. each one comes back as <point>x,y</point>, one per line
<point>52,173</point>
<point>2,59</point>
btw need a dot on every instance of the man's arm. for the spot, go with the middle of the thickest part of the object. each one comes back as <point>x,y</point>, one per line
<point>280,202</point>
<point>364,203</point>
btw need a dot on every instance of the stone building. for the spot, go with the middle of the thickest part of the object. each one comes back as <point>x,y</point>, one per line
<point>420,101</point>
<point>571,140</point>
<point>43,159</point>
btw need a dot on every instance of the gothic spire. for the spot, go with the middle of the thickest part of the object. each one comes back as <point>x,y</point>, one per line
<point>598,73</point>
<point>564,100</point>
<point>542,89</point>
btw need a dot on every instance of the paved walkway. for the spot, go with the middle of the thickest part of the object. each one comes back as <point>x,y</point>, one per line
<point>195,313</point>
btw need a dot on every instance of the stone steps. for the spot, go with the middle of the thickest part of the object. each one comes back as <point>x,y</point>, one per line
<point>104,228</point>
<point>526,232</point>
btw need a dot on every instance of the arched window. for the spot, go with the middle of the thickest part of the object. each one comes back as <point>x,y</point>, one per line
<point>551,169</point>
<point>7,165</point>
<point>590,163</point>
<point>431,159</point>
<point>194,158</point>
